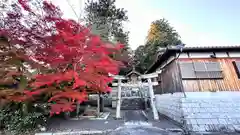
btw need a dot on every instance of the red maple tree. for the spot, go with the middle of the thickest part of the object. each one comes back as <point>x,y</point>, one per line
<point>77,61</point>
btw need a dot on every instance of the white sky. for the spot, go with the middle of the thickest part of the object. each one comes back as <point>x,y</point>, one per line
<point>141,14</point>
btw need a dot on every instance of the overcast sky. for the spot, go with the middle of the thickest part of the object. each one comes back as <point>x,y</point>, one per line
<point>199,22</point>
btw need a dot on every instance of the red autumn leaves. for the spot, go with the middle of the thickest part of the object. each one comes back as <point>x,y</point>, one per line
<point>78,61</point>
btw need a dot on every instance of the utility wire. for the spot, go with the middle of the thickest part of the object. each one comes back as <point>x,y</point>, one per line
<point>78,18</point>
<point>81,3</point>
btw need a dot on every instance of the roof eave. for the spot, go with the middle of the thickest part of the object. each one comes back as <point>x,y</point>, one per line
<point>170,51</point>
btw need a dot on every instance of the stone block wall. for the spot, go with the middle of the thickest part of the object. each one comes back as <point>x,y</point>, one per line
<point>202,111</point>
<point>170,105</point>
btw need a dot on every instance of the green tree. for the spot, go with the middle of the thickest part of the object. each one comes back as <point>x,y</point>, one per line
<point>160,35</point>
<point>139,54</point>
<point>106,20</point>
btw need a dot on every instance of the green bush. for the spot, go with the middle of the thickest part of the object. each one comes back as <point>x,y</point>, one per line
<point>15,121</point>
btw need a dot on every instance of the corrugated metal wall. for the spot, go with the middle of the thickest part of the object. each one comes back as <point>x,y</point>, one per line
<point>230,81</point>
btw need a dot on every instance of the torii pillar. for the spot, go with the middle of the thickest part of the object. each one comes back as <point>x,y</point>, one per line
<point>119,92</point>
<point>151,92</point>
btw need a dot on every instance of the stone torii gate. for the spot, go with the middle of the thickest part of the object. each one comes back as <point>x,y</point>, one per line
<point>151,81</point>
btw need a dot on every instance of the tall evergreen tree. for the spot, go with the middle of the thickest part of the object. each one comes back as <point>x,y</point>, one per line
<point>106,20</point>
<point>160,35</point>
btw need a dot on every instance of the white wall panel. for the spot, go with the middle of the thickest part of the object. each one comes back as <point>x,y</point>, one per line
<point>221,54</point>
<point>200,54</point>
<point>183,55</point>
<point>234,54</point>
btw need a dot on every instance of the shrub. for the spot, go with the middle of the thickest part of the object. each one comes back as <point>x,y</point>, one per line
<point>15,121</point>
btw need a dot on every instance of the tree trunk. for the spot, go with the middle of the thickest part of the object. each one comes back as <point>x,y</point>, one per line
<point>101,103</point>
<point>98,105</point>
<point>77,109</point>
<point>24,108</point>
<point>67,115</point>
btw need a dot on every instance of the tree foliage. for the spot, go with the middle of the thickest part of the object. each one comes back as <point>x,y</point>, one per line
<point>13,73</point>
<point>107,21</point>
<point>139,55</point>
<point>160,35</point>
<point>75,61</point>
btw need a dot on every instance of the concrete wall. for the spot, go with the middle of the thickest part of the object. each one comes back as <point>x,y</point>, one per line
<point>170,105</point>
<point>202,111</point>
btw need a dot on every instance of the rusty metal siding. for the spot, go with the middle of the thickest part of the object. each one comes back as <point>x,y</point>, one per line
<point>170,79</point>
<point>230,81</point>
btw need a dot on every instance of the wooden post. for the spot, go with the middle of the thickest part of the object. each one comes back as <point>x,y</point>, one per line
<point>118,108</point>
<point>101,103</point>
<point>98,105</point>
<point>152,97</point>
<point>78,109</point>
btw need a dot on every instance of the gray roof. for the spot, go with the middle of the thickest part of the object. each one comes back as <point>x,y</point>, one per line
<point>173,50</point>
<point>207,48</point>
